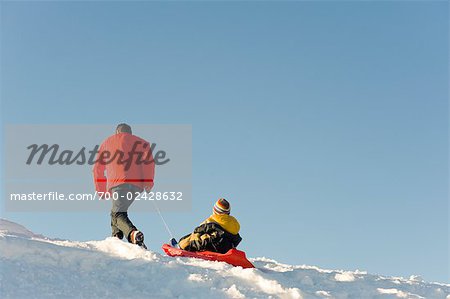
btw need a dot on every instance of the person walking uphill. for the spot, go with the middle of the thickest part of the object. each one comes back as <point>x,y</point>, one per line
<point>128,162</point>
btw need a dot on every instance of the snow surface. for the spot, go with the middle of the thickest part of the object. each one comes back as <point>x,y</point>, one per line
<point>32,266</point>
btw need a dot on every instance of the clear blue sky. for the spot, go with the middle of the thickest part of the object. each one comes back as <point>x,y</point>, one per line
<point>325,124</point>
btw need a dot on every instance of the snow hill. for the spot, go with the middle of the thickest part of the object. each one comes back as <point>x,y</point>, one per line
<point>32,266</point>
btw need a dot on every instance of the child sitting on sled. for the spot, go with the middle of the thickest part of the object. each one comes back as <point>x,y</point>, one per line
<point>218,233</point>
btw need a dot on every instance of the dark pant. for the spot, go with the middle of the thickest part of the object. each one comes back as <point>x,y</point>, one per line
<point>124,196</point>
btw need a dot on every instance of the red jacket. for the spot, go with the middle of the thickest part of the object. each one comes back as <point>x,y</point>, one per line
<point>119,167</point>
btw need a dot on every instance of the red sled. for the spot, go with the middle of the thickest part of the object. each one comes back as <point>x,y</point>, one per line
<point>233,257</point>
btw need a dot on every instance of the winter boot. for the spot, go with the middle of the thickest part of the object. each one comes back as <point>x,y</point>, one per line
<point>174,243</point>
<point>137,237</point>
<point>118,235</point>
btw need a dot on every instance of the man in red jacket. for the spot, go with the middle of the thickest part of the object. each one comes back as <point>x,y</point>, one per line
<point>130,170</point>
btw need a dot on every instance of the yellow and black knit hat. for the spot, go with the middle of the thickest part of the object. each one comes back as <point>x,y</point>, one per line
<point>222,206</point>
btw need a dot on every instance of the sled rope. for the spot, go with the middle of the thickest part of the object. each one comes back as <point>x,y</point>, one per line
<point>163,220</point>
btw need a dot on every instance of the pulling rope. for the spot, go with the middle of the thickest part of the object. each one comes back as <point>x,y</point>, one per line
<point>164,221</point>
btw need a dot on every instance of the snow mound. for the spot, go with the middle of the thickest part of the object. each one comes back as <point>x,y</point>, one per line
<point>32,266</point>
<point>8,227</point>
